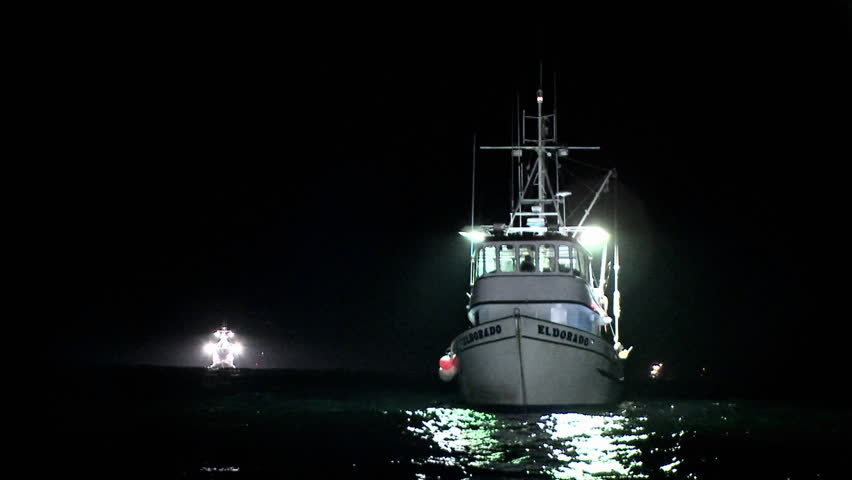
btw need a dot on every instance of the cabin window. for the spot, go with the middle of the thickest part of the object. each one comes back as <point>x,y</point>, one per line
<point>486,260</point>
<point>547,258</point>
<point>526,254</point>
<point>507,258</point>
<point>583,265</point>
<point>490,258</point>
<point>565,258</point>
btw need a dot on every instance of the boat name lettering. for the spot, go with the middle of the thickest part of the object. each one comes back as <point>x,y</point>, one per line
<point>563,334</point>
<point>480,334</point>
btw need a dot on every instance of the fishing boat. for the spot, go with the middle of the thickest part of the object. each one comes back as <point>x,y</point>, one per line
<point>540,327</point>
<point>223,351</point>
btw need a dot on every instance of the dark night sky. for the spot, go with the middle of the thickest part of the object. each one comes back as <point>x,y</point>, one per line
<point>307,189</point>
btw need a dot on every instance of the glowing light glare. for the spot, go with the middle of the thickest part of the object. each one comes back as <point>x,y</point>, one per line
<point>656,369</point>
<point>223,352</point>
<point>474,236</point>
<point>593,237</point>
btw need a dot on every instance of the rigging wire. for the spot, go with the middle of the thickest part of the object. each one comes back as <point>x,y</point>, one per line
<point>570,159</point>
<point>580,204</point>
<point>577,179</point>
<point>585,198</point>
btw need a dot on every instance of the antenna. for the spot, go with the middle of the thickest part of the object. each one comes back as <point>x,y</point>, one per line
<point>540,72</point>
<point>473,181</point>
<point>556,158</point>
<point>555,117</point>
<point>520,142</point>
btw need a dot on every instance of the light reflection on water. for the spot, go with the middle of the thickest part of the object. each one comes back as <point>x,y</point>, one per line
<point>591,445</point>
<point>554,445</point>
<point>463,434</point>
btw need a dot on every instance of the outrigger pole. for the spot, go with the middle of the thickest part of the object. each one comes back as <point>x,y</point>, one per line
<point>597,195</point>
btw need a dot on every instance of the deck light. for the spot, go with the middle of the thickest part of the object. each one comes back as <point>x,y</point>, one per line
<point>593,237</point>
<point>474,236</point>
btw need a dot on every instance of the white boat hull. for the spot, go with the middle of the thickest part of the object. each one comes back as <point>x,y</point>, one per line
<point>520,361</point>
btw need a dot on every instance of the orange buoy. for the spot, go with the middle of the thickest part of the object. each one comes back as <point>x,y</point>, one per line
<point>446,362</point>
<point>448,367</point>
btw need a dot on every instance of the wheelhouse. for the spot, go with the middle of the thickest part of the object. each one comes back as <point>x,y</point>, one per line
<point>532,257</point>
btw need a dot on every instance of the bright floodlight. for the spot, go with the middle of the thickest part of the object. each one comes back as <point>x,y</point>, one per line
<point>223,351</point>
<point>474,236</point>
<point>593,236</point>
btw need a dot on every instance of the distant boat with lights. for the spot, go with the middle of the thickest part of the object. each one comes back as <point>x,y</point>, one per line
<point>223,352</point>
<point>540,328</point>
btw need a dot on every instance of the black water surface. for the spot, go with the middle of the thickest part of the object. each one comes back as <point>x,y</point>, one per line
<point>189,423</point>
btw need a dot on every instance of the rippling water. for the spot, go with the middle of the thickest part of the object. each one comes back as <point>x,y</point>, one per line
<point>176,423</point>
<point>635,439</point>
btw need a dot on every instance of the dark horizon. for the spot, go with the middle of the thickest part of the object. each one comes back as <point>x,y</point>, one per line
<point>311,197</point>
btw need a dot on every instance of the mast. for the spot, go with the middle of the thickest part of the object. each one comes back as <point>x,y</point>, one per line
<point>539,98</point>
<point>531,210</point>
